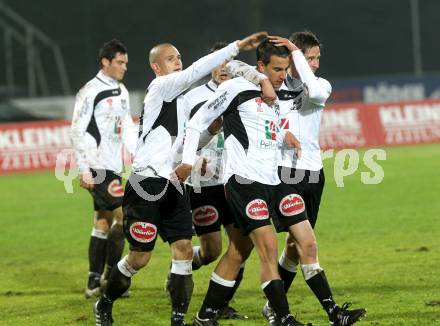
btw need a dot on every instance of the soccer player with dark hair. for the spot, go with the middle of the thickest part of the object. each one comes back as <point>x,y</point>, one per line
<point>252,138</point>
<point>101,124</point>
<point>154,201</point>
<point>302,178</point>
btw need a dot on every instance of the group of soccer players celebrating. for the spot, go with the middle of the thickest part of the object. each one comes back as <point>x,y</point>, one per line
<point>240,151</point>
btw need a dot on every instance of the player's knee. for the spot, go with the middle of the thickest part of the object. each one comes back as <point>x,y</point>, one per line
<point>102,225</point>
<point>138,260</point>
<point>182,249</point>
<point>310,248</point>
<point>210,256</point>
<point>211,251</point>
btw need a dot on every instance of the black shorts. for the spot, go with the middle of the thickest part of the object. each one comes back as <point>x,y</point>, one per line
<point>250,203</point>
<point>309,185</point>
<point>210,209</point>
<point>108,194</point>
<point>154,206</point>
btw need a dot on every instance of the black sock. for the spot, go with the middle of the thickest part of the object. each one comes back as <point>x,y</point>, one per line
<point>180,288</point>
<point>115,247</point>
<point>97,247</point>
<point>286,276</point>
<point>277,298</point>
<point>117,284</point>
<point>214,300</point>
<point>235,287</point>
<point>320,287</point>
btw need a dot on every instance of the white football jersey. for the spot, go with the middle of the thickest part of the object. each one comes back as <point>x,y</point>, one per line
<point>212,151</point>
<point>101,123</point>
<point>163,116</point>
<point>251,131</point>
<point>303,118</point>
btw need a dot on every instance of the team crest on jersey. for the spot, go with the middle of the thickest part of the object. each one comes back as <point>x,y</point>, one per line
<point>115,188</point>
<point>257,210</point>
<point>291,205</point>
<point>205,215</point>
<point>143,232</point>
<point>109,101</point>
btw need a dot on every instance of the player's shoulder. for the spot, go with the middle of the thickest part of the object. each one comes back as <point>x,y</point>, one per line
<point>325,84</point>
<point>199,91</point>
<point>237,85</point>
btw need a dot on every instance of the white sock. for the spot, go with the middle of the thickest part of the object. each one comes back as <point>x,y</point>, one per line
<point>287,263</point>
<point>310,270</point>
<point>181,267</point>
<point>125,268</point>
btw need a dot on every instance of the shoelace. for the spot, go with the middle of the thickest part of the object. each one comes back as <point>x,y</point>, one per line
<point>346,305</point>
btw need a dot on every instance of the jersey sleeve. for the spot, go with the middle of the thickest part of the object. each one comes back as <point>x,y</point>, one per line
<point>173,84</point>
<point>129,132</point>
<point>317,93</point>
<point>215,106</point>
<point>82,114</point>
<point>237,68</point>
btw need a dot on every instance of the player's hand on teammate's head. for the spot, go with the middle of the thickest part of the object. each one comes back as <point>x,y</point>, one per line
<point>215,127</point>
<point>293,142</point>
<point>86,180</point>
<point>268,94</point>
<point>282,41</point>
<point>252,41</point>
<point>182,172</point>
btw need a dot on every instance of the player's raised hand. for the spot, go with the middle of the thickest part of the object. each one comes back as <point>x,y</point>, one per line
<point>292,141</point>
<point>252,41</point>
<point>282,41</point>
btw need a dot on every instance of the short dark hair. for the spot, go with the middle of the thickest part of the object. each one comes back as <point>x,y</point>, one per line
<point>217,46</point>
<point>110,49</point>
<point>266,49</point>
<point>305,40</point>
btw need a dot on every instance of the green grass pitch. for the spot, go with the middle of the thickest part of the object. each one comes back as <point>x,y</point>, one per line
<point>379,245</point>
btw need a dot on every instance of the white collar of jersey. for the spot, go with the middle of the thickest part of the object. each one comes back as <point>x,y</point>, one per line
<point>106,78</point>
<point>212,85</point>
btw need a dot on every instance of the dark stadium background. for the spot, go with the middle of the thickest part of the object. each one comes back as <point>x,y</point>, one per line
<point>361,38</point>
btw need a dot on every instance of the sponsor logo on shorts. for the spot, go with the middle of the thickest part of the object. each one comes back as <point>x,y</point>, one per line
<point>115,188</point>
<point>292,204</point>
<point>143,232</point>
<point>205,215</point>
<point>257,210</point>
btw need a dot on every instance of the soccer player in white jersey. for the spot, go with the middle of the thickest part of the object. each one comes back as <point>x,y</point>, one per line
<point>154,202</point>
<point>101,124</point>
<point>252,138</point>
<point>302,178</point>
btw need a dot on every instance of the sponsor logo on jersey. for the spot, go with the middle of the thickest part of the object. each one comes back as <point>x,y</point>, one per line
<point>257,210</point>
<point>205,215</point>
<point>291,205</point>
<point>115,188</point>
<point>270,129</point>
<point>118,126</point>
<point>284,123</point>
<point>143,232</point>
<point>218,102</point>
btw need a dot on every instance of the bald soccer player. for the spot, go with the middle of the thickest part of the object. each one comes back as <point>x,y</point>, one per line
<point>154,201</point>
